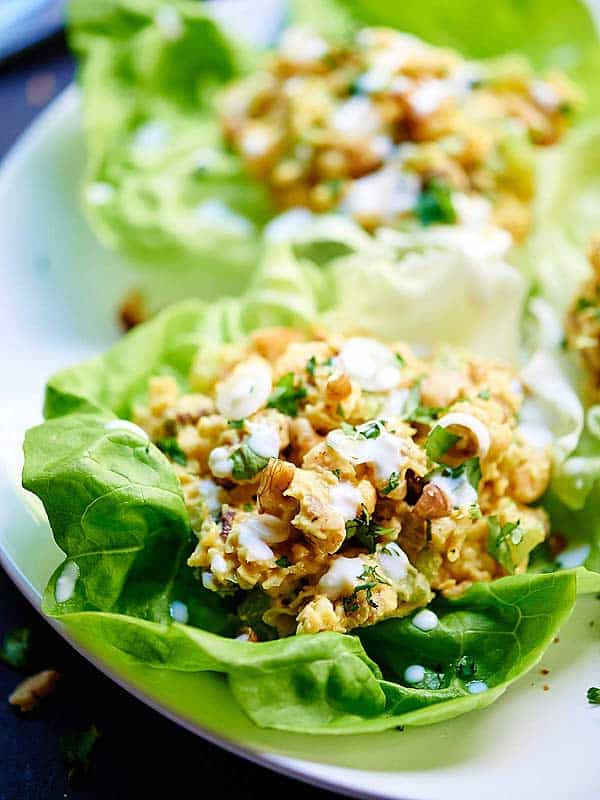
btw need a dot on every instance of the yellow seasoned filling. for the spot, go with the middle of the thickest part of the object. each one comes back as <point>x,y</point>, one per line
<point>333,482</point>
<point>389,127</point>
<point>583,323</point>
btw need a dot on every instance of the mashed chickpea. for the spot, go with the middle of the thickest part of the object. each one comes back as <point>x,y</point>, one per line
<point>360,481</point>
<point>387,127</point>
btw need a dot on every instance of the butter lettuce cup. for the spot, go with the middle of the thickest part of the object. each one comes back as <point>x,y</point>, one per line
<point>370,112</point>
<point>353,529</point>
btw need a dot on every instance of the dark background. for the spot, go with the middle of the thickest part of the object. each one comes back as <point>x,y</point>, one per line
<point>139,754</point>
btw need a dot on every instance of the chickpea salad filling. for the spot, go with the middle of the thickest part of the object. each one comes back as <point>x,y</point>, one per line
<point>387,128</point>
<point>336,482</point>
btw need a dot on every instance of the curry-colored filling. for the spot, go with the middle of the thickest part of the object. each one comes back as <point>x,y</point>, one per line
<point>334,482</point>
<point>583,323</point>
<point>388,127</point>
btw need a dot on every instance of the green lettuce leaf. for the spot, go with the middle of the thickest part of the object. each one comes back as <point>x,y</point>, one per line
<point>116,510</point>
<point>159,185</point>
<point>326,683</point>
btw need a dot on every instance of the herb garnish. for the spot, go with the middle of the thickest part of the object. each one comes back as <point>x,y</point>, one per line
<point>236,423</point>
<point>76,749</point>
<point>470,468</point>
<point>16,648</point>
<point>311,365</point>
<point>170,447</point>
<point>435,204</point>
<point>247,463</point>
<point>365,530</point>
<point>369,430</point>
<point>287,395</point>
<point>583,303</point>
<point>371,578</point>
<point>466,668</point>
<point>484,394</point>
<point>283,562</point>
<point>250,612</point>
<point>499,539</point>
<point>400,360</point>
<point>438,442</point>
<point>593,695</point>
<point>475,511</point>
<point>413,411</point>
<point>392,484</point>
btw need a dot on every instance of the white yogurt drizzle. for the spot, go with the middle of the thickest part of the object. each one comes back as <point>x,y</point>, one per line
<point>65,584</point>
<point>393,562</point>
<point>458,490</point>
<point>371,364</point>
<point>387,453</point>
<point>471,423</point>
<point>257,533</point>
<point>341,577</point>
<point>245,390</point>
<point>179,612</point>
<point>477,687</point>
<point>263,439</point>
<point>425,620</point>
<point>211,494</point>
<point>345,499</point>
<point>414,673</point>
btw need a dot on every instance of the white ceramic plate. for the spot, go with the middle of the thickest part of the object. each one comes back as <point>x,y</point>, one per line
<point>59,290</point>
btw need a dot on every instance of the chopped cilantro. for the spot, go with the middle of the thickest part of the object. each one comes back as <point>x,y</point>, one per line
<point>251,610</point>
<point>370,430</point>
<point>392,484</point>
<point>283,562</point>
<point>499,539</point>
<point>435,204</point>
<point>247,463</point>
<point>340,411</point>
<point>76,749</point>
<point>236,423</point>
<point>413,411</point>
<point>371,579</point>
<point>593,695</point>
<point>566,109</point>
<point>170,447</point>
<point>471,469</point>
<point>337,473</point>
<point>287,395</point>
<point>413,399</point>
<point>400,359</point>
<point>438,442</point>
<point>583,303</point>
<point>484,394</point>
<point>311,365</point>
<point>466,668</point>
<point>16,648</point>
<point>365,530</point>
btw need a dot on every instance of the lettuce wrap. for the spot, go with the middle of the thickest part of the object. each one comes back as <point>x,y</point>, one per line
<point>116,510</point>
<point>160,185</point>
